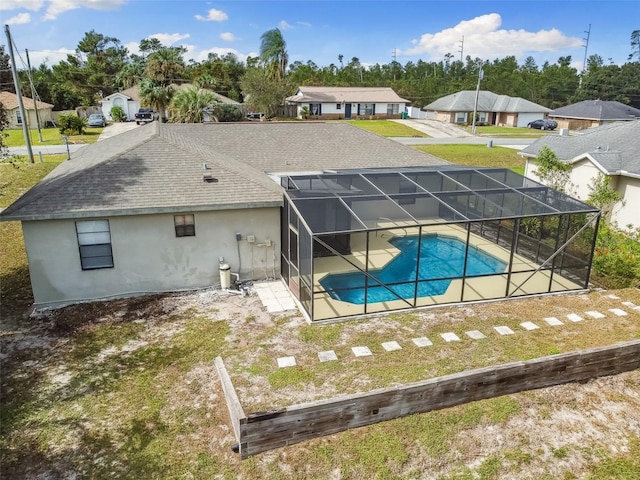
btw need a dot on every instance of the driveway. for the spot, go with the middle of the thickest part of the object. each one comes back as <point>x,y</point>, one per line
<point>116,129</point>
<point>434,128</point>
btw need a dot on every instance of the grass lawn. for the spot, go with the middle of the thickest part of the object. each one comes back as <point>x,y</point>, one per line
<point>477,156</point>
<point>510,132</point>
<point>127,389</point>
<point>386,128</point>
<point>50,136</point>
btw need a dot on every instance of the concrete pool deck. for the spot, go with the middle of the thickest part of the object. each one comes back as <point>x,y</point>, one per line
<point>381,252</point>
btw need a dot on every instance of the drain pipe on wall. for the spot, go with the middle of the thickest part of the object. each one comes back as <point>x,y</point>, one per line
<point>238,238</point>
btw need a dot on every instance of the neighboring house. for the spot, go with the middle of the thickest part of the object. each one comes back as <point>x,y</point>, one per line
<point>492,109</point>
<point>129,101</point>
<point>593,113</point>
<point>611,150</point>
<point>155,209</point>
<point>336,103</point>
<point>10,102</point>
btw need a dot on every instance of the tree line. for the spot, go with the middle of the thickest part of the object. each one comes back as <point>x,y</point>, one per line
<point>101,65</point>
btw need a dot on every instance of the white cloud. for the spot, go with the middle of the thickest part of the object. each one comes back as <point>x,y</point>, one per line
<point>213,15</point>
<point>484,38</point>
<point>304,24</point>
<point>168,39</point>
<point>133,48</point>
<point>284,25</point>
<point>19,19</point>
<point>227,36</point>
<point>56,7</point>
<point>26,4</point>
<point>49,57</point>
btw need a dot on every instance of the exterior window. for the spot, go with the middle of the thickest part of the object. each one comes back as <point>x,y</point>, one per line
<point>315,108</point>
<point>366,109</point>
<point>185,225</point>
<point>482,117</point>
<point>393,108</point>
<point>18,117</point>
<point>94,241</point>
<point>338,106</point>
<point>461,117</point>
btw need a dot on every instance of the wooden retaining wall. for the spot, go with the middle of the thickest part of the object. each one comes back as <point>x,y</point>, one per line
<point>263,431</point>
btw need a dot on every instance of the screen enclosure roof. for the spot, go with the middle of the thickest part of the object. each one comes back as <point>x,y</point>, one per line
<point>357,200</point>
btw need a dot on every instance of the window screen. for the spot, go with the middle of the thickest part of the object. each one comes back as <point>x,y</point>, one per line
<point>185,225</point>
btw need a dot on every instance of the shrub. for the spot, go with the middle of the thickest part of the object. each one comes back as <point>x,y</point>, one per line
<point>226,112</point>
<point>70,124</point>
<point>616,262</point>
<point>117,114</point>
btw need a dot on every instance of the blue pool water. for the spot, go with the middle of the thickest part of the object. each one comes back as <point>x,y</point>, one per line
<point>440,257</point>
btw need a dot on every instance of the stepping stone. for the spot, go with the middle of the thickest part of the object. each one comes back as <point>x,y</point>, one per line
<point>612,296</point>
<point>529,326</point>
<point>574,317</point>
<point>553,321</point>
<point>476,334</point>
<point>618,312</point>
<point>422,342</point>
<point>391,346</point>
<point>361,351</point>
<point>327,356</point>
<point>595,314</point>
<point>450,337</point>
<point>503,330</point>
<point>631,305</point>
<point>284,362</point>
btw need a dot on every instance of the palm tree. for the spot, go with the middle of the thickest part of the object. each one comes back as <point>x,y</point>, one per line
<point>165,65</point>
<point>187,105</point>
<point>156,95</point>
<point>273,53</point>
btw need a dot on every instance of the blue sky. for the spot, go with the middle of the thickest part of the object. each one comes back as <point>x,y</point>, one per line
<point>321,30</point>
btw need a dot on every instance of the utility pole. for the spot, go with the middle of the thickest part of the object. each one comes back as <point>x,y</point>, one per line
<point>461,49</point>
<point>475,105</point>
<point>34,96</point>
<point>393,56</point>
<point>16,82</point>
<point>586,46</point>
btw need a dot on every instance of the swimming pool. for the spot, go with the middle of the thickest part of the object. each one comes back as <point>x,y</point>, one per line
<point>441,261</point>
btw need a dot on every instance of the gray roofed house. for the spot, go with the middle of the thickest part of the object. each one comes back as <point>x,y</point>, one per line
<point>348,102</point>
<point>612,150</point>
<point>492,109</point>
<point>592,113</point>
<point>155,208</point>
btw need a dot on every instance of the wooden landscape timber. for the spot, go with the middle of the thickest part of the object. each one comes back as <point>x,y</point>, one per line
<point>262,431</point>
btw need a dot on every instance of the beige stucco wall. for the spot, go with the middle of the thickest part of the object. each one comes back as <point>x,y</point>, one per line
<point>628,212</point>
<point>45,116</point>
<point>147,255</point>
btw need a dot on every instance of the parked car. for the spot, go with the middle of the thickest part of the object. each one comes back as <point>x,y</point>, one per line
<point>255,116</point>
<point>543,124</point>
<point>145,115</point>
<point>97,120</point>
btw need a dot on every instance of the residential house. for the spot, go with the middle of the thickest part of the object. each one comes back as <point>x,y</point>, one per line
<point>492,109</point>
<point>336,103</point>
<point>157,208</point>
<point>129,101</point>
<point>612,150</point>
<point>10,102</point>
<point>593,113</point>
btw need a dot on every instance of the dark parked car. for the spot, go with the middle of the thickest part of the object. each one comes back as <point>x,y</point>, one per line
<point>97,120</point>
<point>543,124</point>
<point>255,116</point>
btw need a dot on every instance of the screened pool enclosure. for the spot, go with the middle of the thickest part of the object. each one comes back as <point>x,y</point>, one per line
<point>364,241</point>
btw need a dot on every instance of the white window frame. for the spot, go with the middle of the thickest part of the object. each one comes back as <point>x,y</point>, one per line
<point>461,117</point>
<point>94,244</point>
<point>393,108</point>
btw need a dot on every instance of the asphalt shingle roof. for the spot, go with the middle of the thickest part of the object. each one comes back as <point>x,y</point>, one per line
<point>597,110</point>
<point>10,101</point>
<point>159,167</point>
<point>614,146</point>
<point>346,94</point>
<point>464,101</point>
